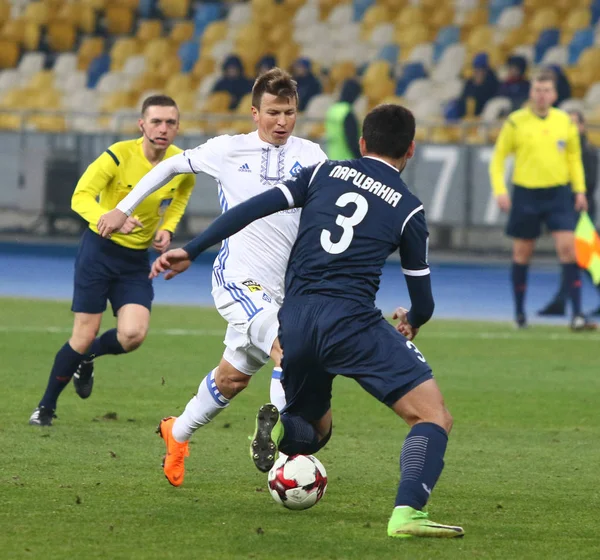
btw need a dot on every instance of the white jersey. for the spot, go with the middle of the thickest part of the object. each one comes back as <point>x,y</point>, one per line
<point>243,167</point>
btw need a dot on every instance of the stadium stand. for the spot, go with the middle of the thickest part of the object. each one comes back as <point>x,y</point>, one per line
<point>82,65</point>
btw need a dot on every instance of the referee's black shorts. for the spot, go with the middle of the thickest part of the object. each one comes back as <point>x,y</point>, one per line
<point>531,208</point>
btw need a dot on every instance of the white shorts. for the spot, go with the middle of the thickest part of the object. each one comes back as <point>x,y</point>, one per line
<point>253,325</point>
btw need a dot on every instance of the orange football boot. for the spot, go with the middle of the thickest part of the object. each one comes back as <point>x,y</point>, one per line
<point>174,461</point>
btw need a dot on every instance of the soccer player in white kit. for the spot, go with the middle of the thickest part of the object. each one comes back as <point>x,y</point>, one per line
<point>249,271</point>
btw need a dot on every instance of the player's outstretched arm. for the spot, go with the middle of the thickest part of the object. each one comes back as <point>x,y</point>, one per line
<point>236,219</point>
<point>153,180</point>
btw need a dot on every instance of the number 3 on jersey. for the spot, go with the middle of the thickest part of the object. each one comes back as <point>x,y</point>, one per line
<point>346,223</point>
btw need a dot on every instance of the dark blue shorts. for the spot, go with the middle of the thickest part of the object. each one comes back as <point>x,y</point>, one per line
<point>105,271</point>
<point>531,208</point>
<point>324,337</point>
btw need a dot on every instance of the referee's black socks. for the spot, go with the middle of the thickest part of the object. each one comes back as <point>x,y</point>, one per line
<point>572,276</point>
<point>519,282</point>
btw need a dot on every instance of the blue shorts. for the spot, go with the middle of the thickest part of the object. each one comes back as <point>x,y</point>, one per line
<point>531,208</point>
<point>105,271</point>
<point>323,337</point>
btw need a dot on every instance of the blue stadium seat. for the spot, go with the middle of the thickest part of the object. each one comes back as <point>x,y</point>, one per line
<point>446,36</point>
<point>205,14</point>
<point>595,8</point>
<point>582,39</point>
<point>147,8</point>
<point>390,53</point>
<point>547,39</point>
<point>411,71</point>
<point>188,54</point>
<point>100,65</point>
<point>498,6</point>
<point>360,7</point>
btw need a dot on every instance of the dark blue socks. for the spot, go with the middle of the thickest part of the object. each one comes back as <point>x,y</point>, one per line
<point>105,344</point>
<point>572,280</point>
<point>300,437</point>
<point>519,282</point>
<point>65,365</point>
<point>421,463</point>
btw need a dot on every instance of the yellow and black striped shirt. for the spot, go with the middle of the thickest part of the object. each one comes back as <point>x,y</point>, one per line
<point>112,176</point>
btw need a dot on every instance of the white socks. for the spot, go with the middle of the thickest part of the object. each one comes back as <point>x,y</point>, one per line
<point>203,407</point>
<point>209,402</point>
<point>277,392</point>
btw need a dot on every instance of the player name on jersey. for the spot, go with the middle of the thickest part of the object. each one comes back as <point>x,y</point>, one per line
<point>366,183</point>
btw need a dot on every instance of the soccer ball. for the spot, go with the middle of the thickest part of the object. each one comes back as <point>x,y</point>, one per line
<point>297,481</point>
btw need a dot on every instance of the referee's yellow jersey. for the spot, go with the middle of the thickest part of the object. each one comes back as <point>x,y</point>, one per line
<point>547,152</point>
<point>111,177</point>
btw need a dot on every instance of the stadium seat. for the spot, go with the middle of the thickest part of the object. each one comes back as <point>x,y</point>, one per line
<point>61,36</point>
<point>13,30</point>
<point>65,63</point>
<point>548,38</point>
<point>512,16</point>
<point>148,29</point>
<point>359,7</point>
<point>577,19</point>
<point>9,79</point>
<point>413,35</point>
<point>571,104</point>
<point>375,15</point>
<point>44,79</point>
<point>119,20</point>
<point>215,31</point>
<point>422,53</point>
<point>531,6</point>
<point>31,63</point>
<point>37,12</point>
<point>475,18</point>
<point>174,9</point>
<point>583,39</point>
<point>410,72</point>
<point>543,19</point>
<point>117,100</point>
<point>419,89</point>
<point>591,98</point>
<point>389,53</point>
<point>445,36</point>
<point>443,15</point>
<point>156,50</point>
<point>188,53</point>
<point>378,90</point>
<point>121,50</point>
<point>134,65</point>
<point>178,83</point>
<point>74,81</point>
<point>31,36</point>
<point>5,8</point>
<point>409,16</point>
<point>555,55</point>
<point>495,108</point>
<point>451,64</point>
<point>182,31</point>
<point>204,67</point>
<point>90,48</point>
<point>203,15</point>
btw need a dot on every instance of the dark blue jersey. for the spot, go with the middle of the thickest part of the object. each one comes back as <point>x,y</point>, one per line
<point>355,214</point>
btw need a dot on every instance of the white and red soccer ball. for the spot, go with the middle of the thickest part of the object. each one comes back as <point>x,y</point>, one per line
<point>298,481</point>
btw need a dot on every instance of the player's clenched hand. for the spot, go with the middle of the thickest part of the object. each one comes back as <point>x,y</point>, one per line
<point>172,262</point>
<point>115,220</point>
<point>503,201</point>
<point>162,240</point>
<point>581,203</point>
<point>404,327</point>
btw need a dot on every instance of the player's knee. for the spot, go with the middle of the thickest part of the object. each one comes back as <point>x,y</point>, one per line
<point>131,337</point>
<point>231,382</point>
<point>82,338</point>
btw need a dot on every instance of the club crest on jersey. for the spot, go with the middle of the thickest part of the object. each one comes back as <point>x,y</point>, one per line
<point>252,285</point>
<point>295,169</point>
<point>561,144</point>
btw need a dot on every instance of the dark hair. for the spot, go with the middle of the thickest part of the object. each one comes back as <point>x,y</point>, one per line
<point>388,130</point>
<point>545,75</point>
<point>277,82</point>
<point>158,101</point>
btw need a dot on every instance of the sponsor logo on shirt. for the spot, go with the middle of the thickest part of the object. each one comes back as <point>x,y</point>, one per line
<point>245,168</point>
<point>252,285</point>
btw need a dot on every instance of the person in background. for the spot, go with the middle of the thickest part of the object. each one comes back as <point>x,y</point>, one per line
<point>308,84</point>
<point>515,87</point>
<point>265,64</point>
<point>563,88</point>
<point>341,126</point>
<point>233,81</point>
<point>589,155</point>
<point>479,88</point>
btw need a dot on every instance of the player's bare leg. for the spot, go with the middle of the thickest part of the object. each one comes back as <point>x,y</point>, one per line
<point>522,253</point>
<point>421,462</point>
<point>564,241</point>
<point>133,321</point>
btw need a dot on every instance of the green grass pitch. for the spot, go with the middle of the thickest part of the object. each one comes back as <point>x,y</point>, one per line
<point>521,469</point>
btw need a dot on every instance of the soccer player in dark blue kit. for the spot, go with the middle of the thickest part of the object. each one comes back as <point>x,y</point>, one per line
<point>354,215</point>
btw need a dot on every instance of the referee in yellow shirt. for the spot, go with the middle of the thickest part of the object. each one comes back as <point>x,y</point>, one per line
<point>549,188</point>
<point>117,269</point>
